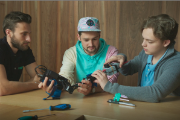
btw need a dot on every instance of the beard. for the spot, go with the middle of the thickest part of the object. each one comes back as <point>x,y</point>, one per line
<point>15,43</point>
<point>90,51</point>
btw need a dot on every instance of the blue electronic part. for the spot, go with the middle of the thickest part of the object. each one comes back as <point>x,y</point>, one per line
<point>60,107</point>
<point>90,78</point>
<point>88,75</point>
<point>56,93</point>
<point>49,82</point>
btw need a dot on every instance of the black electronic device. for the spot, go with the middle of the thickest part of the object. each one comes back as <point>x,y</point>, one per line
<point>60,81</point>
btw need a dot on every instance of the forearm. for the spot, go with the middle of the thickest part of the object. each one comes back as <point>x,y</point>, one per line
<point>135,93</point>
<point>29,80</point>
<point>13,87</point>
<point>129,68</point>
<point>68,65</point>
<point>113,78</point>
<point>35,79</point>
<point>134,65</point>
<point>166,83</point>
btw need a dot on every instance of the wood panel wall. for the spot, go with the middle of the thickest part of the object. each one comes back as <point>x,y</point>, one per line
<point>54,26</point>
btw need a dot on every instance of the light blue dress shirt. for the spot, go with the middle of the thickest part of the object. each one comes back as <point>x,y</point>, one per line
<point>147,78</point>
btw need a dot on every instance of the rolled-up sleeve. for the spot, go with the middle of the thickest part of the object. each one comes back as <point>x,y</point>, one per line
<point>112,51</point>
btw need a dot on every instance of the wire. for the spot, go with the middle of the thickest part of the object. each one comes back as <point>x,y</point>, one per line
<point>112,70</point>
<point>42,68</point>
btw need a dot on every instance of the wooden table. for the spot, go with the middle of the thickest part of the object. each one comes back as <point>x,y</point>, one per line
<point>92,107</point>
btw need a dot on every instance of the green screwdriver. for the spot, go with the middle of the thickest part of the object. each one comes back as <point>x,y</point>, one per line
<point>32,117</point>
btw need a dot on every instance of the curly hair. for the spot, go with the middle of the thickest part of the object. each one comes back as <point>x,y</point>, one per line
<point>164,27</point>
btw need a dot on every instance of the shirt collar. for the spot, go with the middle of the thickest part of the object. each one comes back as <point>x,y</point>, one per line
<point>149,61</point>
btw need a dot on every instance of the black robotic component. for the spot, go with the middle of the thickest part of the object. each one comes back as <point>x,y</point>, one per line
<point>60,81</point>
<point>90,78</point>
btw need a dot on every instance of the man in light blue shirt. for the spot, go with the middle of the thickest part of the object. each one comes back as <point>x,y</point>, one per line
<point>148,73</point>
<point>158,56</point>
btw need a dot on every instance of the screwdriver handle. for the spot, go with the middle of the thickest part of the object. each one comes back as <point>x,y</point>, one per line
<point>60,107</point>
<point>28,118</point>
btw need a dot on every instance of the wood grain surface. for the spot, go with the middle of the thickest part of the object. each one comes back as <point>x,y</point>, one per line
<point>54,26</point>
<point>93,107</point>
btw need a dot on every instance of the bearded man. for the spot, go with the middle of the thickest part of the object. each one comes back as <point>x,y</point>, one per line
<point>16,54</point>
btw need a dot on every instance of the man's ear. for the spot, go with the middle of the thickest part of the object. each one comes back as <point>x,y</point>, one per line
<point>8,32</point>
<point>78,37</point>
<point>166,43</point>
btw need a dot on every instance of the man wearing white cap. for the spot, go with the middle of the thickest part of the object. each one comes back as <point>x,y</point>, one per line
<point>87,56</point>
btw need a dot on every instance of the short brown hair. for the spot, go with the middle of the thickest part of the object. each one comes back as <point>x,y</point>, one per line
<point>164,27</point>
<point>13,18</point>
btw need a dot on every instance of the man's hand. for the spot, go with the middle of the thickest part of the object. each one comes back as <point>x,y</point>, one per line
<point>101,78</point>
<point>36,79</point>
<point>85,88</point>
<point>117,58</point>
<point>45,87</point>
